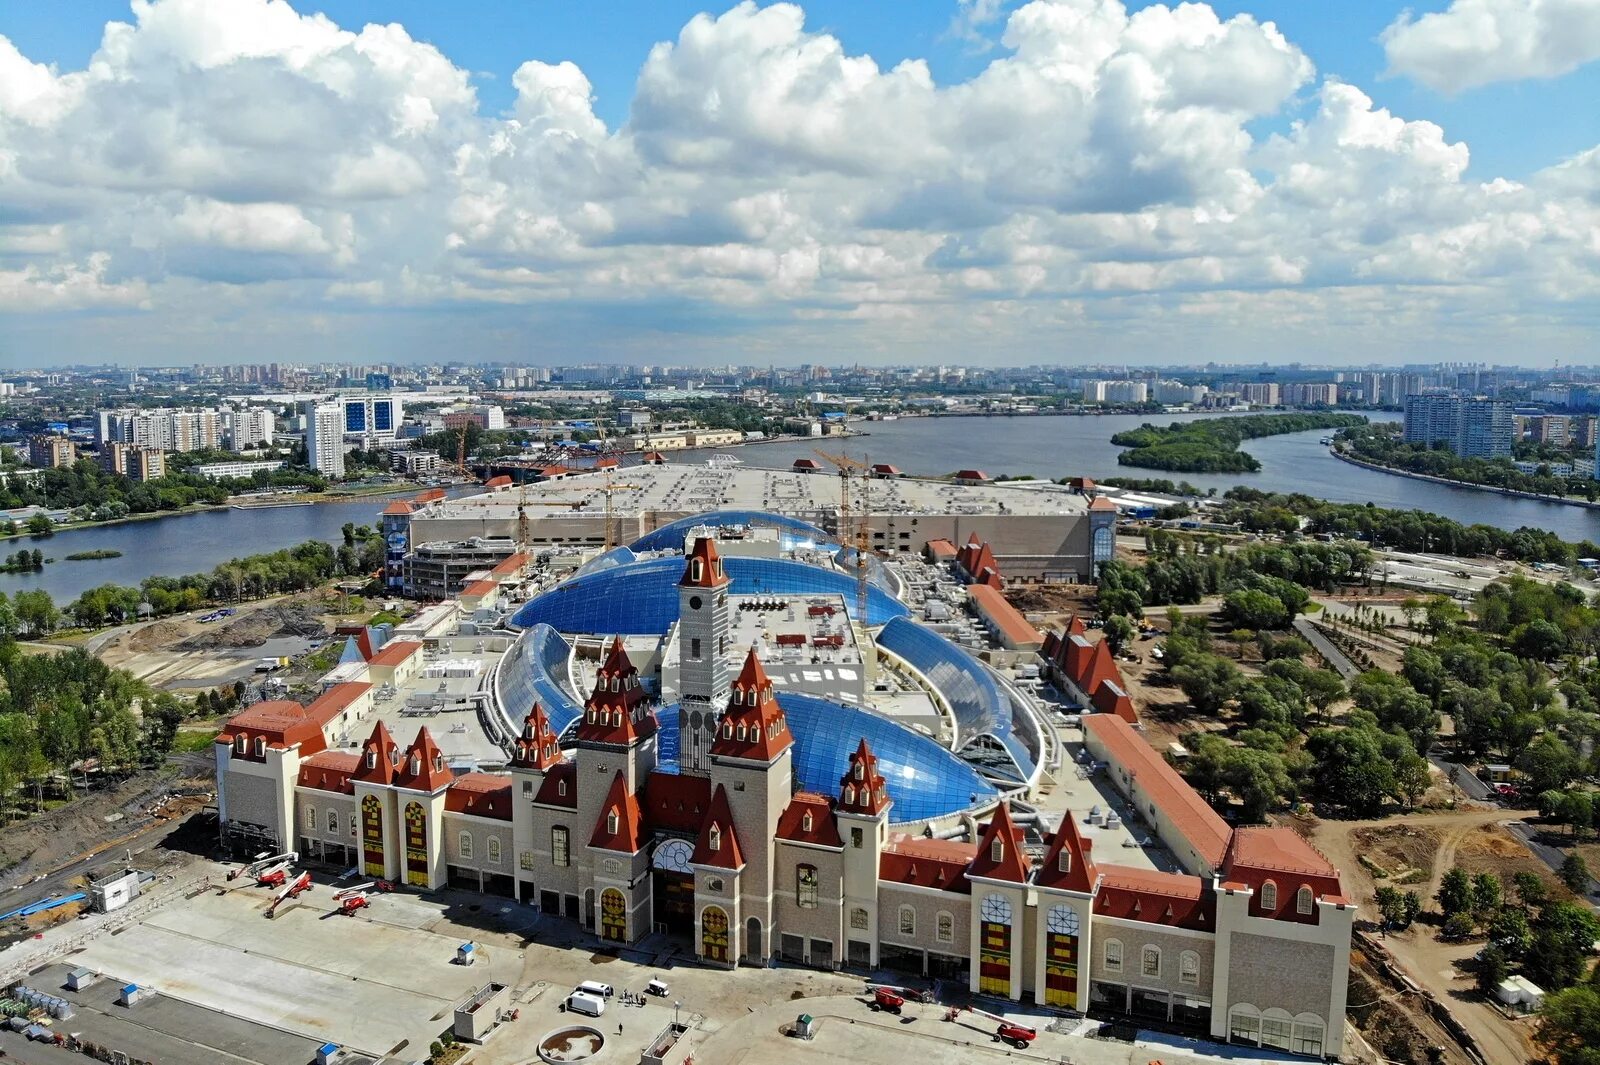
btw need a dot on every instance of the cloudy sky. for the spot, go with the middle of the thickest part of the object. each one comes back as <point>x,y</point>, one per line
<point>896,181</point>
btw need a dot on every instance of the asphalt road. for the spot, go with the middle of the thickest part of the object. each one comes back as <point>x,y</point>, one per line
<point>1336,658</point>
<point>1549,856</point>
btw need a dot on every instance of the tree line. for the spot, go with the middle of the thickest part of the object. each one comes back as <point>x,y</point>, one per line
<point>1211,445</point>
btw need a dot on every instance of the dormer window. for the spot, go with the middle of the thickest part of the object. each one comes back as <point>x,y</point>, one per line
<point>1302,900</point>
<point>261,747</point>
<point>741,730</point>
<point>561,788</point>
<point>613,822</point>
<point>438,763</point>
<point>1269,896</point>
<point>241,743</point>
<point>616,684</point>
<point>849,794</point>
<point>372,759</point>
<point>805,822</point>
<point>1064,861</point>
<point>861,771</point>
<point>394,756</point>
<point>697,570</point>
<point>997,850</point>
<point>714,838</point>
<point>416,765</point>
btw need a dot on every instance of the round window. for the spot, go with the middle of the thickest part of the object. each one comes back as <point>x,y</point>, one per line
<point>694,602</point>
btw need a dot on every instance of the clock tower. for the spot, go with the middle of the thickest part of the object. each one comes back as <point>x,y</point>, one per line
<point>703,683</point>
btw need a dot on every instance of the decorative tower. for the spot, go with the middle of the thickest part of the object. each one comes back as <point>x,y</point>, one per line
<point>999,876</point>
<point>863,815</point>
<point>751,756</point>
<point>537,752</point>
<point>703,628</point>
<point>421,780</point>
<point>1065,883</point>
<point>378,812</point>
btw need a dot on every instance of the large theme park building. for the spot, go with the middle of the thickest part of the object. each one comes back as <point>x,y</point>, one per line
<point>721,819</point>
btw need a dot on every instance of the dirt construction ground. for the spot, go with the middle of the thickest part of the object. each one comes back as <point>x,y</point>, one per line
<point>1429,844</point>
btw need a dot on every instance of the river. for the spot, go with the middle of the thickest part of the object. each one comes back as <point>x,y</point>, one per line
<point>1041,446</point>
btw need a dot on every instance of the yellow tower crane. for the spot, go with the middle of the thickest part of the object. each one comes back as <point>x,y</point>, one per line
<point>852,528</point>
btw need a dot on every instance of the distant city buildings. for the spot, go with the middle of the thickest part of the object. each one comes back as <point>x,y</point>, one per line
<point>1472,427</point>
<point>325,431</point>
<point>217,471</point>
<point>174,429</point>
<point>249,428</point>
<point>371,420</point>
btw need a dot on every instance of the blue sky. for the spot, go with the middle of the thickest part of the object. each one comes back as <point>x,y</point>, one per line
<point>609,39</point>
<point>237,181</point>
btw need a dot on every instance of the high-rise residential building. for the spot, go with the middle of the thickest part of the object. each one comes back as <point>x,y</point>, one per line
<point>1552,429</point>
<point>131,460</point>
<point>1261,393</point>
<point>47,451</point>
<point>325,424</point>
<point>1311,394</point>
<point>1471,427</point>
<point>1116,392</point>
<point>162,428</point>
<point>249,428</point>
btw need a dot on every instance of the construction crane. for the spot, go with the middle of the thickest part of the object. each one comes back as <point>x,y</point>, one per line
<point>852,533</point>
<point>299,886</point>
<point>1017,1034</point>
<point>263,862</point>
<point>608,490</point>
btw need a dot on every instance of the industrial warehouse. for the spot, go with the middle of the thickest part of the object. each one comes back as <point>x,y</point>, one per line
<point>738,734</point>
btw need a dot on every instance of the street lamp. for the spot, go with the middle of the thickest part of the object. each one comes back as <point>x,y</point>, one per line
<point>675,1007</point>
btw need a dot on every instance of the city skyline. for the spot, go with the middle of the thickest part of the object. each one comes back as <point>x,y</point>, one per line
<point>976,183</point>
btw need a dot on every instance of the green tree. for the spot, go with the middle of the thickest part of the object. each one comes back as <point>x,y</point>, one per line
<point>1509,930</point>
<point>1455,893</point>
<point>1119,632</point>
<point>36,611</point>
<point>1487,894</point>
<point>1350,770</point>
<point>41,525</point>
<point>1530,889</point>
<point>1493,967</point>
<point>1412,777</point>
<point>1248,608</point>
<point>1209,681</point>
<point>1563,935</point>
<point>1575,874</point>
<point>1569,1026</point>
<point>1397,908</point>
<point>1548,763</point>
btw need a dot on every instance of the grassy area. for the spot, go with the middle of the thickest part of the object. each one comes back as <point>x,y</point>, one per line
<point>194,741</point>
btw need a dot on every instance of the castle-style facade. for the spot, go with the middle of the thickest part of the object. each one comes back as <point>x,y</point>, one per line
<point>1252,946</point>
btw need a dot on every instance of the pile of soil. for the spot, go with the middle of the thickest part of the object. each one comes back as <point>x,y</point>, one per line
<point>157,636</point>
<point>257,627</point>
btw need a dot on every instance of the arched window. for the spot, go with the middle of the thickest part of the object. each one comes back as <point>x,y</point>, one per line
<point>1150,961</point>
<point>805,886</point>
<point>858,918</point>
<point>1269,896</point>
<point>491,849</point>
<point>1113,955</point>
<point>240,743</point>
<point>1302,899</point>
<point>908,921</point>
<point>997,850</point>
<point>1188,967</point>
<point>261,747</point>
<point>945,927</point>
<point>464,844</point>
<point>333,821</point>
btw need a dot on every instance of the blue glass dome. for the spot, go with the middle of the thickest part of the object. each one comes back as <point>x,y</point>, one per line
<point>924,779</point>
<point>793,532</point>
<point>641,598</point>
<point>535,669</point>
<point>986,716</point>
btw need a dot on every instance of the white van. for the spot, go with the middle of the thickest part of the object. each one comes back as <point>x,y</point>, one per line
<point>595,988</point>
<point>582,1002</point>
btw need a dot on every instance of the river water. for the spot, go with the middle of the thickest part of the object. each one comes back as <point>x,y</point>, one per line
<point>1041,446</point>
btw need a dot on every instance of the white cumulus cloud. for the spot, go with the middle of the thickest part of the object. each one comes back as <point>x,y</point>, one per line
<point>1478,42</point>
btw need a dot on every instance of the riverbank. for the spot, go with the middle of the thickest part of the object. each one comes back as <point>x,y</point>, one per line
<point>1496,489</point>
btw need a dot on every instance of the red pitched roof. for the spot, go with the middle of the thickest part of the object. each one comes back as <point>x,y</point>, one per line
<point>934,863</point>
<point>399,506</point>
<point>754,726</point>
<point>479,589</point>
<point>480,794</point>
<point>395,652</point>
<point>379,756</point>
<point>676,802</point>
<point>1281,855</point>
<point>501,481</point>
<point>284,724</point>
<point>809,819</point>
<point>422,765</point>
<point>430,495</point>
<point>1075,626</point>
<point>971,475</point>
<point>1003,616</point>
<point>1102,503</point>
<point>807,464</point>
<point>1109,698</point>
<point>1000,855</point>
<point>560,787</point>
<point>538,747</point>
<point>1172,899</point>
<point>1075,871</point>
<point>512,564</point>
<point>620,826</point>
<point>704,566</point>
<point>942,550</point>
<point>1101,666</point>
<point>329,771</point>
<point>1206,832</point>
<point>718,844</point>
<point>618,710</point>
<point>862,789</point>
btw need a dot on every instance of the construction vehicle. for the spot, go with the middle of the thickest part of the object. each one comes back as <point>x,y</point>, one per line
<point>891,999</point>
<point>1008,1031</point>
<point>263,862</point>
<point>296,888</point>
<point>275,877</point>
<point>351,902</point>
